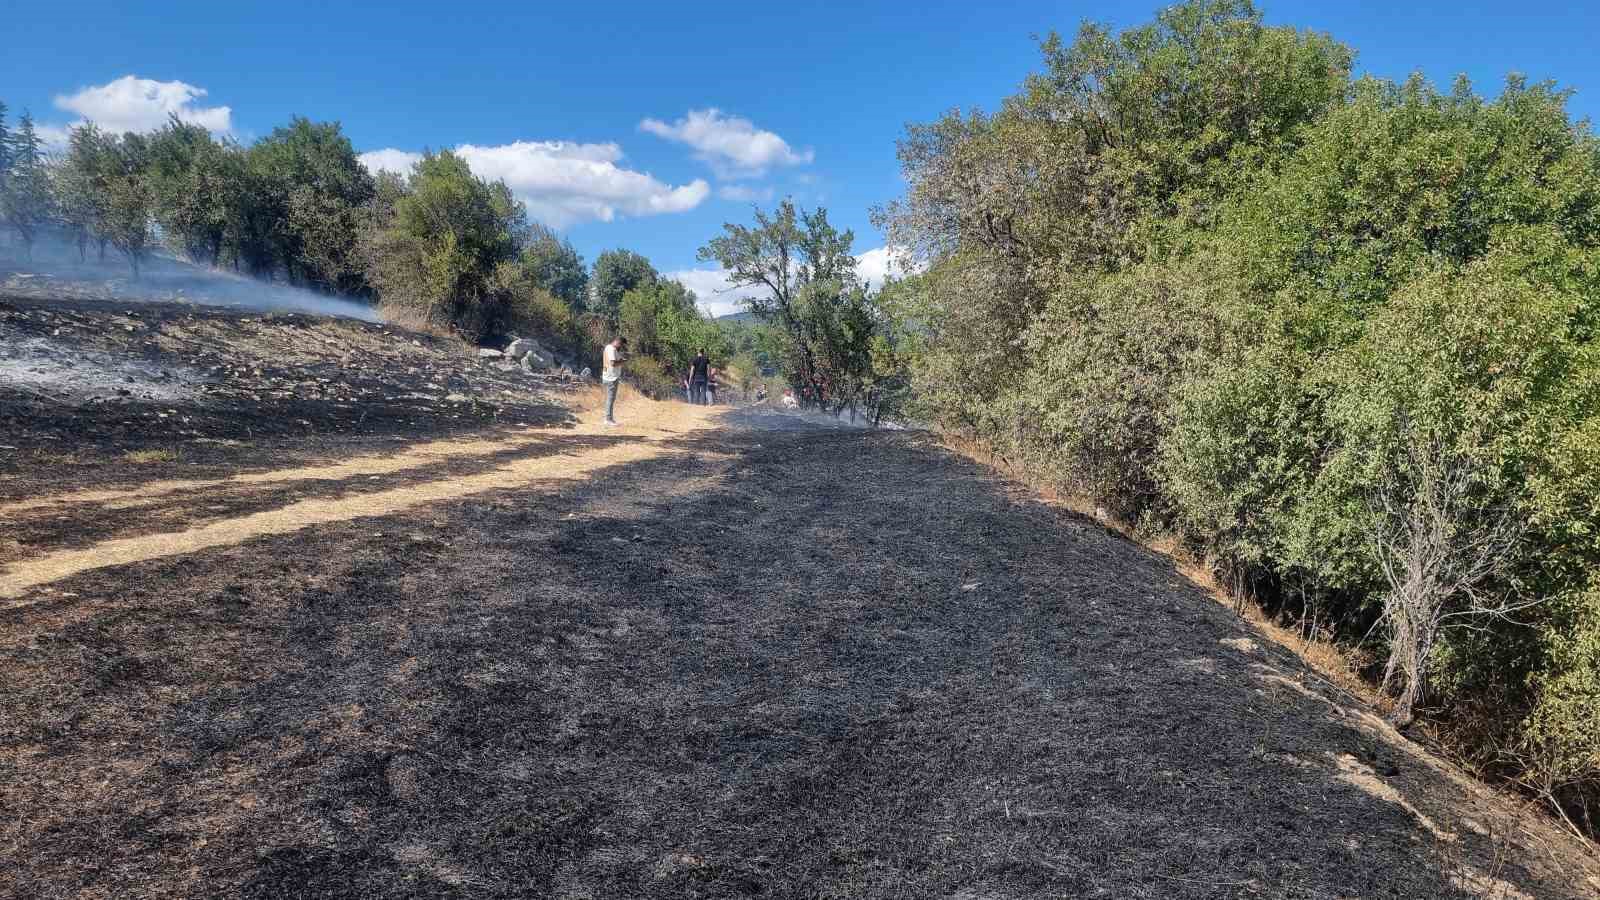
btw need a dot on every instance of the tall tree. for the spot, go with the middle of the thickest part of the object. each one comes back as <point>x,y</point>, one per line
<point>439,252</point>
<point>27,195</point>
<point>311,189</point>
<point>617,272</point>
<point>784,254</point>
<point>194,189</point>
<point>555,266</point>
<point>82,177</point>
<point>127,208</point>
<point>5,159</point>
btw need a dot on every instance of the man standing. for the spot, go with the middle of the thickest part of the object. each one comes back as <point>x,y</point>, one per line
<point>611,373</point>
<point>699,371</point>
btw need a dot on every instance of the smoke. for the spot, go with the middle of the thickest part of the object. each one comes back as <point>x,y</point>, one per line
<point>54,271</point>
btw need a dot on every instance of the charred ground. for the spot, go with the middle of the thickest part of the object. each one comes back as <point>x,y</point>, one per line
<point>765,662</point>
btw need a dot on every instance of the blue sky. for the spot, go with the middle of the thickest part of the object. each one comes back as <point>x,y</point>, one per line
<point>601,115</point>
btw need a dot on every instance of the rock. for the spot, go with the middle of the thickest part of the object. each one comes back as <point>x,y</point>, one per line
<point>487,353</point>
<point>587,372</point>
<point>521,347</point>
<point>456,398</point>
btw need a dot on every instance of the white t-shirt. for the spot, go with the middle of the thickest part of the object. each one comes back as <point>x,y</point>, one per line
<point>613,369</point>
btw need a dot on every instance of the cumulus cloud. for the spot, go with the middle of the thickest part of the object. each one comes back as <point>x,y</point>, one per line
<point>719,297</point>
<point>53,137</point>
<point>390,160</point>
<point>874,266</point>
<point>715,295</point>
<point>733,147</point>
<point>141,104</point>
<point>563,182</point>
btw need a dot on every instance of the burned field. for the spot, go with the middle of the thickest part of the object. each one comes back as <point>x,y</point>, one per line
<point>99,392</point>
<point>755,662</point>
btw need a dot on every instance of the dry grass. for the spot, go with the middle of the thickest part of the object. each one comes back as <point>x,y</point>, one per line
<point>145,457</point>
<point>413,320</point>
<point>646,424</point>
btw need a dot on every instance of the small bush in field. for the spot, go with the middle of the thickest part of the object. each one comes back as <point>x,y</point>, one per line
<point>649,375</point>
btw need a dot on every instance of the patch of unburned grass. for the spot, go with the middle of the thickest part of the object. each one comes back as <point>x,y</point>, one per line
<point>145,457</point>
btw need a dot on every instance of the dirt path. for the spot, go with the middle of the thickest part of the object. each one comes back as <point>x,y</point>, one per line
<point>684,662</point>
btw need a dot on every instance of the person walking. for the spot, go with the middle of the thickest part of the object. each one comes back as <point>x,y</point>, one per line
<point>699,372</point>
<point>614,356</point>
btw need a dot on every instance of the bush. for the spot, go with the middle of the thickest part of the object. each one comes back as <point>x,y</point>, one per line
<point>1345,341</point>
<point>650,377</point>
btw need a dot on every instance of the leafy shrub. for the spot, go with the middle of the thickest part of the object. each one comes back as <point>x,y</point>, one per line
<point>649,375</point>
<point>1344,337</point>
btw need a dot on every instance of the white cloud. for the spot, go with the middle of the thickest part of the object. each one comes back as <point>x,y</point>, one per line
<point>733,147</point>
<point>874,266</point>
<point>390,160</point>
<point>715,295</point>
<point>718,297</point>
<point>140,104</point>
<point>562,182</point>
<point>742,194</point>
<point>53,137</point>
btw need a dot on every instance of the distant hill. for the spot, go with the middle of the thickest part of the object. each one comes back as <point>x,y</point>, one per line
<point>740,318</point>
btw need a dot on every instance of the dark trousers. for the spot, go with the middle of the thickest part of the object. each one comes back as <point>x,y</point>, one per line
<point>697,393</point>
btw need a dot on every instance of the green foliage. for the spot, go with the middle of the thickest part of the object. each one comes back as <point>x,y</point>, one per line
<point>1196,272</point>
<point>660,319</point>
<point>443,249</point>
<point>556,267</point>
<point>310,188</point>
<point>617,272</point>
<point>26,200</point>
<point>826,326</point>
<point>650,377</point>
<point>126,201</point>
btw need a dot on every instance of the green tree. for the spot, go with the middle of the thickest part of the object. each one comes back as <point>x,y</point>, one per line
<point>196,189</point>
<point>310,189</point>
<point>1339,336</point>
<point>617,272</point>
<point>127,205</point>
<point>437,252</point>
<point>793,259</point>
<point>27,197</point>
<point>81,181</point>
<point>556,267</point>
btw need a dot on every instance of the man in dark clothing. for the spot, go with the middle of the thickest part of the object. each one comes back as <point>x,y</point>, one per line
<point>699,373</point>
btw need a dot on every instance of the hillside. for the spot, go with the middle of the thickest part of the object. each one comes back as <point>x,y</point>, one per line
<point>740,318</point>
<point>321,607</point>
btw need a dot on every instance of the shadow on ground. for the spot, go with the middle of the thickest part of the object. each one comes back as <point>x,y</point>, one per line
<point>788,664</point>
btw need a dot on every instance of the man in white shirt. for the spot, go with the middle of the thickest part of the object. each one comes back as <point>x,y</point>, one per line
<point>611,373</point>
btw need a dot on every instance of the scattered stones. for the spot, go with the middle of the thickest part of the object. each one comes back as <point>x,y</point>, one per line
<point>521,347</point>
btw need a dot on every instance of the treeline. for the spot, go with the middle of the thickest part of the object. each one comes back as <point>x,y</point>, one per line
<point>1338,334</point>
<point>286,207</point>
<point>437,247</point>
